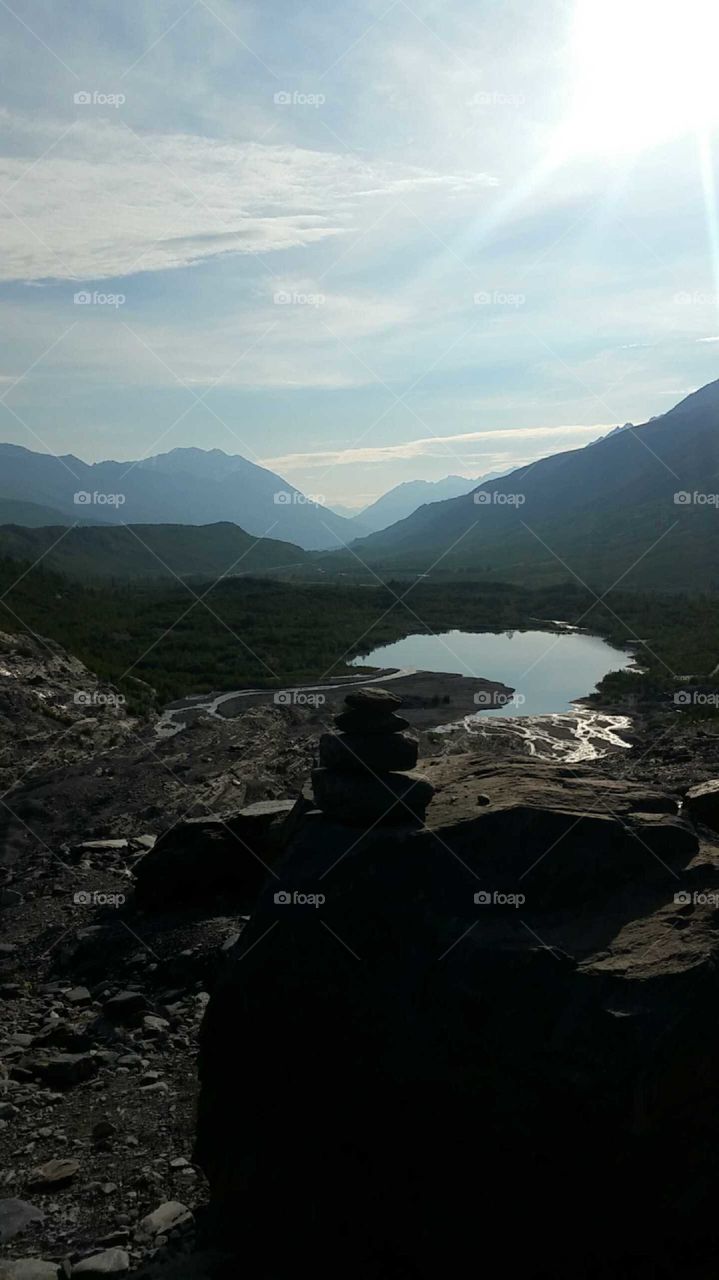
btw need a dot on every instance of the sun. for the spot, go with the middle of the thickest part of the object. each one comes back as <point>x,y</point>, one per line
<point>643,72</point>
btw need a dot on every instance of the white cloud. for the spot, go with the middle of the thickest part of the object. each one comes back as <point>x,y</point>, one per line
<point>105,201</point>
<point>433,446</point>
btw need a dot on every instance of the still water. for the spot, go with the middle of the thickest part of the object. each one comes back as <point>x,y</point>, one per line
<point>547,670</point>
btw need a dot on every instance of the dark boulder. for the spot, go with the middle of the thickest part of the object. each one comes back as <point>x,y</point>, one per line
<point>201,857</point>
<point>702,803</point>
<point>405,1065</point>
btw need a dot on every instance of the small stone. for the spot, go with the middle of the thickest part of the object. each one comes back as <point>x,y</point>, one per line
<point>53,1175</point>
<point>103,1130</point>
<point>15,1216</point>
<point>78,996</point>
<point>99,846</point>
<point>125,1006</point>
<point>159,1086</point>
<point>179,1163</point>
<point>154,1025</point>
<point>61,1070</point>
<point>112,1262</point>
<point>166,1218</point>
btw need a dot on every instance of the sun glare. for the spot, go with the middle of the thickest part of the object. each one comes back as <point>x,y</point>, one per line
<point>644,72</point>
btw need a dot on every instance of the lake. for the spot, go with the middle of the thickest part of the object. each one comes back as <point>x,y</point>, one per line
<point>547,669</point>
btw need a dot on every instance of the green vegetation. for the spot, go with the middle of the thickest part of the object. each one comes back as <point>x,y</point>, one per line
<point>150,551</point>
<point>183,639</point>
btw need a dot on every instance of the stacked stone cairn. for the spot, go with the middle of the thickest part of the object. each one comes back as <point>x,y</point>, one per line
<point>365,770</point>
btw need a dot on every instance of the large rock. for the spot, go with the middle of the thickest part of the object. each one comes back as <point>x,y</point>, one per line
<point>167,1217</point>
<point>111,1262</point>
<point>29,1269</point>
<point>203,856</point>
<point>15,1216</point>
<point>61,1070</point>
<point>361,799</point>
<point>702,803</point>
<point>353,751</point>
<point>54,1174</point>
<point>407,1062</point>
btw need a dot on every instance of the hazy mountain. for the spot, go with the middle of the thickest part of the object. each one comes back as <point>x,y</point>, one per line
<point>601,512</point>
<point>148,551</point>
<point>15,511</point>
<point>405,498</point>
<point>185,486</point>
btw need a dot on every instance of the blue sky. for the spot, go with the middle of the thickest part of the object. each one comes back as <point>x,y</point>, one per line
<point>360,244</point>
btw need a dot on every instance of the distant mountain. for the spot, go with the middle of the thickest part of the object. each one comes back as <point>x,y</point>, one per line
<point>148,551</point>
<point>14,511</point>
<point>184,486</point>
<point>600,513</point>
<point>405,498</point>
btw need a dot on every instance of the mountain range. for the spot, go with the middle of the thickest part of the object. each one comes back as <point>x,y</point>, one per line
<point>640,505</point>
<point>184,486</point>
<point>403,499</point>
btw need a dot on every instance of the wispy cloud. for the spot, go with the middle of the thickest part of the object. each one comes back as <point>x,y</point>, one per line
<point>435,446</point>
<point>172,200</point>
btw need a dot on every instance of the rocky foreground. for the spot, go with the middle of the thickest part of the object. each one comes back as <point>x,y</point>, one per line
<point>420,1043</point>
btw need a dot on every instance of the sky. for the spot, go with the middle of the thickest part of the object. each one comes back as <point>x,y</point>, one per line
<point>358,244</point>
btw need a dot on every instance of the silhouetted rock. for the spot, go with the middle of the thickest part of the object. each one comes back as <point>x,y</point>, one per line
<point>362,777</point>
<point>203,856</point>
<point>495,1030</point>
<point>352,751</point>
<point>702,803</point>
<point>362,722</point>
<point>363,798</point>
